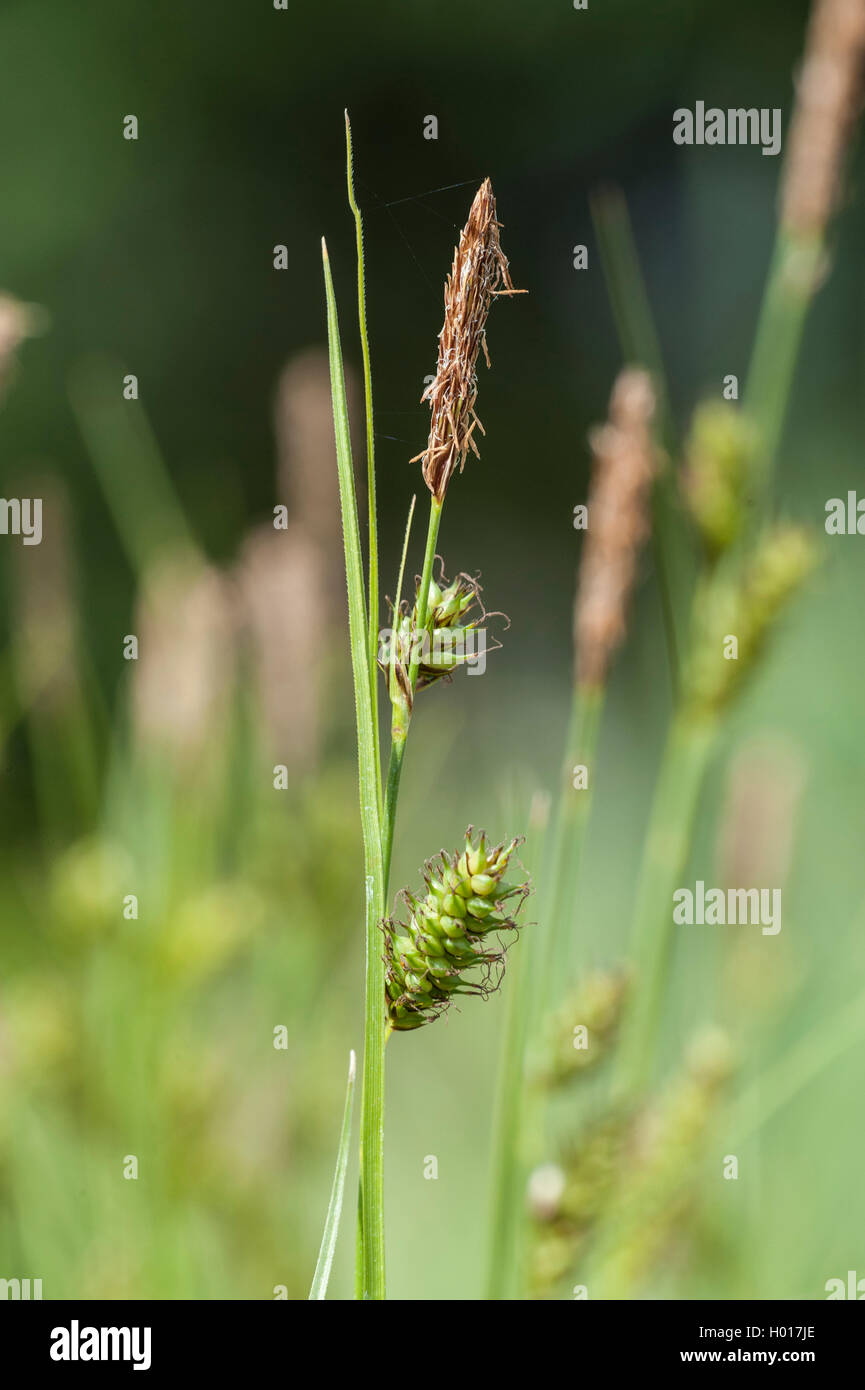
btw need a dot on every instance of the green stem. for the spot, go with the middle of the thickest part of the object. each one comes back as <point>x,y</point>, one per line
<point>793,278</point>
<point>665,855</point>
<point>371,1222</point>
<point>435,512</point>
<point>402,710</point>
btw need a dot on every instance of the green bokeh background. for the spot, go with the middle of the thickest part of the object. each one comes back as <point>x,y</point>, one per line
<point>156,255</point>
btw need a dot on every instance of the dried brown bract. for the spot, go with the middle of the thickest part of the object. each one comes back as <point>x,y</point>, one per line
<point>480,271</point>
<point>624,469</point>
<point>827,102</point>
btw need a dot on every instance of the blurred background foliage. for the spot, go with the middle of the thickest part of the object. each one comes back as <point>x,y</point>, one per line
<point>154,1036</point>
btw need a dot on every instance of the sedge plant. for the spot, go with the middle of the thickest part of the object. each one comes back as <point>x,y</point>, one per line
<point>448,942</point>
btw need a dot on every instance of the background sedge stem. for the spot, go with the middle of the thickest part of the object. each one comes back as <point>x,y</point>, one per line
<point>519,1118</point>
<point>672,553</point>
<point>571,818</point>
<point>793,278</point>
<point>665,854</point>
<point>508,1205</point>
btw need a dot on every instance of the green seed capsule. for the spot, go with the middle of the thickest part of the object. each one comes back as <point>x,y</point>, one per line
<point>431,945</point>
<point>483,884</point>
<point>481,928</point>
<point>451,926</point>
<point>507,890</point>
<point>462,949</point>
<point>479,907</point>
<point>449,983</point>
<point>406,1021</point>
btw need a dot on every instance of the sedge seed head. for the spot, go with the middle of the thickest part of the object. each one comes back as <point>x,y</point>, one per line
<point>449,639</point>
<point>479,273</point>
<point>447,945</point>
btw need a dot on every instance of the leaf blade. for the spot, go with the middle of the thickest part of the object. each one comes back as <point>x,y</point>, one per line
<point>318,1289</point>
<point>372,1098</point>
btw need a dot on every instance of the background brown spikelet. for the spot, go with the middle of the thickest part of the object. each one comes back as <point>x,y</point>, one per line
<point>624,468</point>
<point>827,101</point>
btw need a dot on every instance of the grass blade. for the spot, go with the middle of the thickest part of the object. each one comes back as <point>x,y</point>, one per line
<point>129,466</point>
<point>318,1289</point>
<point>372,588</point>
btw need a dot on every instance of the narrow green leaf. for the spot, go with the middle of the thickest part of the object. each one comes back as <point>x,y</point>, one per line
<point>372,589</point>
<point>354,580</point>
<point>129,465</point>
<point>372,1098</point>
<point>334,1206</point>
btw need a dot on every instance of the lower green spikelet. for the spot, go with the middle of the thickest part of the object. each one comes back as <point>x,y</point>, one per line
<point>448,933</point>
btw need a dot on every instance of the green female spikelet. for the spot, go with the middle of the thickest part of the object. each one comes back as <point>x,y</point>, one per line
<point>581,1033</point>
<point>452,635</point>
<point>448,931</point>
<point>746,606</point>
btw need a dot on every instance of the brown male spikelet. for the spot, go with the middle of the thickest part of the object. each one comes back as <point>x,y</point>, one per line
<point>480,271</point>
